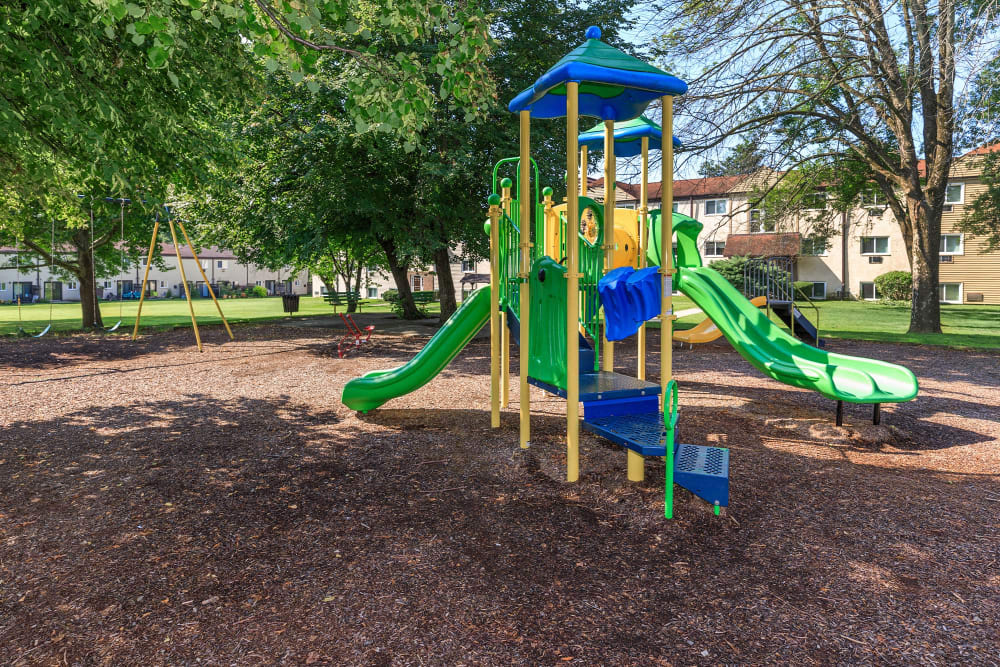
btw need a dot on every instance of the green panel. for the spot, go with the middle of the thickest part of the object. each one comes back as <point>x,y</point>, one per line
<point>373,389</point>
<point>604,90</point>
<point>686,230</point>
<point>596,52</point>
<point>547,360</point>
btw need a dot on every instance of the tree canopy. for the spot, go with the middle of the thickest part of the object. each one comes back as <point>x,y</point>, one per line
<point>875,80</point>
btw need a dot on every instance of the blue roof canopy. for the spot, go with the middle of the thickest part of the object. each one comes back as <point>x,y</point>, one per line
<point>628,135</point>
<point>613,85</point>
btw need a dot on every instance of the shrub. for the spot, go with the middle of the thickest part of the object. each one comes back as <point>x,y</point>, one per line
<point>258,291</point>
<point>731,269</point>
<point>390,295</point>
<point>895,286</point>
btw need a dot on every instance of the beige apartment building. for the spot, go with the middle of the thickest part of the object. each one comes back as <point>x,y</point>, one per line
<point>868,243</point>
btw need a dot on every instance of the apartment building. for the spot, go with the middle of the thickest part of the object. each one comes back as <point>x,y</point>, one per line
<point>868,241</point>
<point>221,267</point>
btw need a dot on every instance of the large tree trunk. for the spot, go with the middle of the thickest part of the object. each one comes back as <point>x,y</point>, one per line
<point>925,312</point>
<point>399,275</point>
<point>352,303</point>
<point>446,284</point>
<point>88,287</point>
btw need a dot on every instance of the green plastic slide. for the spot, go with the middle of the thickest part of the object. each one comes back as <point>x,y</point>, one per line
<point>375,388</point>
<point>770,348</point>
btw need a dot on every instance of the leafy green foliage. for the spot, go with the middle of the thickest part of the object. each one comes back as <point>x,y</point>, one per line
<point>396,60</point>
<point>258,291</point>
<point>731,269</point>
<point>895,285</point>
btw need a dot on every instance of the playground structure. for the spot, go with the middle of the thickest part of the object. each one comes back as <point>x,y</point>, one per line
<point>773,278</point>
<point>556,267</point>
<point>184,281</point>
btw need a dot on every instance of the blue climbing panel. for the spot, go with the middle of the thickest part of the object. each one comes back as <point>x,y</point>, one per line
<point>629,298</point>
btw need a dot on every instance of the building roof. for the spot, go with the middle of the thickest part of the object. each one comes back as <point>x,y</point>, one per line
<point>763,245</point>
<point>613,84</point>
<point>693,187</point>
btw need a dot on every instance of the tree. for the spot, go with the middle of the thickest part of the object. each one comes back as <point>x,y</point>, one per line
<point>304,174</point>
<point>873,78</point>
<point>744,158</point>
<point>85,249</point>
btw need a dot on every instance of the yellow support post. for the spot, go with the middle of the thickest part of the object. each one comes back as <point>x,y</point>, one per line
<point>583,170</point>
<point>524,199</point>
<point>187,291</point>
<point>636,462</point>
<point>145,277</point>
<point>643,241</point>
<point>608,358</point>
<point>494,311</point>
<point>211,292</point>
<point>572,287</point>
<point>667,273</point>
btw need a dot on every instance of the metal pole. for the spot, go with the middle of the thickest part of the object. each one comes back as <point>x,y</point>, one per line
<point>211,292</point>
<point>643,240</point>
<point>494,201</point>
<point>609,226</point>
<point>187,292</point>
<point>504,331</point>
<point>524,198</point>
<point>572,287</point>
<point>583,170</point>
<point>145,277</point>
<point>666,273</point>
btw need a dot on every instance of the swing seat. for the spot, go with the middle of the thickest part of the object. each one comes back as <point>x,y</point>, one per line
<point>44,331</point>
<point>117,324</point>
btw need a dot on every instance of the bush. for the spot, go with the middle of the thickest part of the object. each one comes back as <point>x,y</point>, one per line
<point>895,286</point>
<point>391,295</point>
<point>258,291</point>
<point>731,269</point>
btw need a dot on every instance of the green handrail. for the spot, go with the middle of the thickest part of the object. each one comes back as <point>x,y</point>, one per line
<point>670,415</point>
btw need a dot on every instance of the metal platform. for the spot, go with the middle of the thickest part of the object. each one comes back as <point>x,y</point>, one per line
<point>642,433</point>
<point>603,385</point>
<point>704,471</point>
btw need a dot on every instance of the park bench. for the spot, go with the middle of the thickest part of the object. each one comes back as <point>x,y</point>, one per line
<point>424,297</point>
<point>341,299</point>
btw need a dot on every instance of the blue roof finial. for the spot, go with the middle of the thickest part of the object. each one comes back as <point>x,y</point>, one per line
<point>593,32</point>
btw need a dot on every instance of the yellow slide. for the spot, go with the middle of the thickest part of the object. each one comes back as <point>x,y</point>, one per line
<point>706,331</point>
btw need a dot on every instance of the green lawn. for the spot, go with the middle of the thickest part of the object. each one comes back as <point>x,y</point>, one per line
<point>169,313</point>
<point>964,326</point>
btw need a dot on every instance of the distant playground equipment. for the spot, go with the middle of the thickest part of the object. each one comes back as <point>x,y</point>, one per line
<point>705,331</point>
<point>180,266</point>
<point>355,338</point>
<point>554,267</point>
<point>773,278</point>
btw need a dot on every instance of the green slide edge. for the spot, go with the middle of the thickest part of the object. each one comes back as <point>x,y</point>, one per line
<point>768,347</point>
<point>373,389</point>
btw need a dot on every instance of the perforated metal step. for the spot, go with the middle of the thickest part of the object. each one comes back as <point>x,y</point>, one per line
<point>603,385</point>
<point>642,433</point>
<point>704,471</point>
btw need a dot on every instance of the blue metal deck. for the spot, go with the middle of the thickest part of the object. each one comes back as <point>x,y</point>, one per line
<point>642,433</point>
<point>603,385</point>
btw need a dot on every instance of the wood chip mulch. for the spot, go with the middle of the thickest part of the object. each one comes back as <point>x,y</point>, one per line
<point>161,506</point>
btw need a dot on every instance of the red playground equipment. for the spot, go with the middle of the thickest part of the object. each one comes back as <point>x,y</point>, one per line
<point>355,336</point>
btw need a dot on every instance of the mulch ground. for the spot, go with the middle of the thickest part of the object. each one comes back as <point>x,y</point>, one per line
<point>161,506</point>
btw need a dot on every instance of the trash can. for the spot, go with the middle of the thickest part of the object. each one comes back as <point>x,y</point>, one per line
<point>290,302</point>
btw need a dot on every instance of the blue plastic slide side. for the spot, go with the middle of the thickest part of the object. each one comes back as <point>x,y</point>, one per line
<point>629,298</point>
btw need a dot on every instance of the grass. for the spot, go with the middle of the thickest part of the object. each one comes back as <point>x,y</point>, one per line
<point>168,313</point>
<point>964,326</point>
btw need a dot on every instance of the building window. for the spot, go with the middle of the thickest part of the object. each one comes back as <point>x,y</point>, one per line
<point>417,283</point>
<point>72,286</point>
<point>372,292</point>
<point>950,292</point>
<point>868,291</point>
<point>3,286</point>
<point>814,201</point>
<point>872,198</point>
<point>813,245</point>
<point>715,207</point>
<point>757,222</point>
<point>874,245</point>
<point>676,207</point>
<point>954,193</point>
<point>818,291</point>
<point>107,283</point>
<point>714,248</point>
<point>951,244</point>
<point>468,267</point>
<point>205,265</point>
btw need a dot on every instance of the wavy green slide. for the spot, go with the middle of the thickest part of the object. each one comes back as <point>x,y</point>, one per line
<point>770,348</point>
<point>375,388</point>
